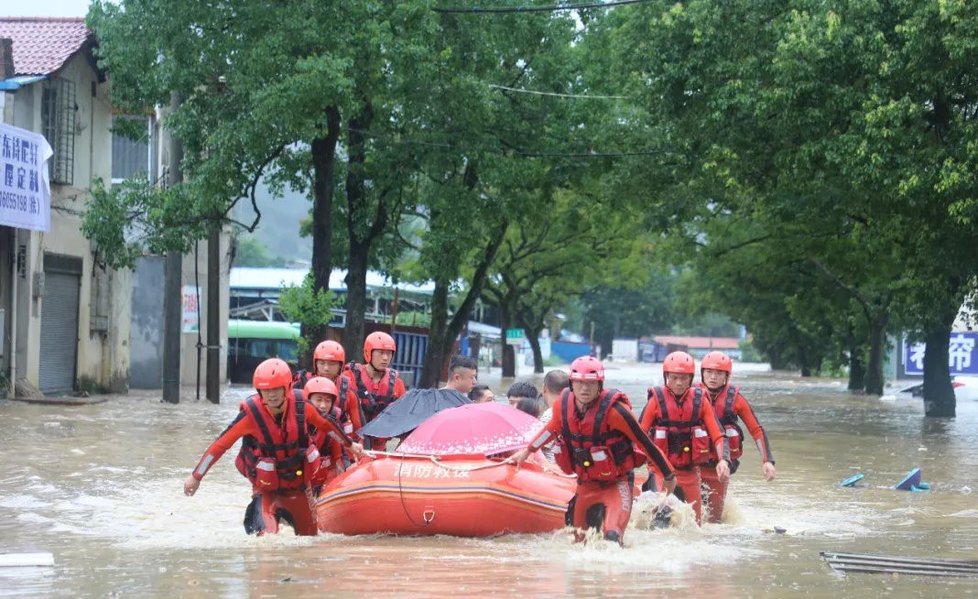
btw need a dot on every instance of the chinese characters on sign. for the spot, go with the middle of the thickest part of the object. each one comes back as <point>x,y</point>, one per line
<point>961,349</point>
<point>430,471</point>
<point>191,303</point>
<point>25,188</point>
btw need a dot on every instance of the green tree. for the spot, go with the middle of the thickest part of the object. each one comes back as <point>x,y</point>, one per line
<point>248,251</point>
<point>848,114</point>
<point>277,90</point>
<point>309,306</point>
<point>261,90</point>
<point>484,170</point>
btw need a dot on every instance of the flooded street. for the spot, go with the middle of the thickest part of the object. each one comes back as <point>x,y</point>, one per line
<point>100,487</point>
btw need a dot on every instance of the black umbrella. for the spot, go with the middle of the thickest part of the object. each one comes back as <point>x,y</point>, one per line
<point>413,408</point>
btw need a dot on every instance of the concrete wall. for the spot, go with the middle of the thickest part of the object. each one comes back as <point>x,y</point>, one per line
<point>146,334</point>
<point>148,297</point>
<point>188,358</point>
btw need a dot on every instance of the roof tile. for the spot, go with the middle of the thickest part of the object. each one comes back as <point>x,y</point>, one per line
<point>43,45</point>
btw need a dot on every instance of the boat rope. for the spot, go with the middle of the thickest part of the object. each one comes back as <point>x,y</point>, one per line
<point>400,493</point>
<point>437,461</point>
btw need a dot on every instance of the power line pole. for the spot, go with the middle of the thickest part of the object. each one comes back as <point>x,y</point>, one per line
<point>213,315</point>
<point>172,292</point>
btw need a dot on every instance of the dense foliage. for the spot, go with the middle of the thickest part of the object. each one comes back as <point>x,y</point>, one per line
<point>806,168</point>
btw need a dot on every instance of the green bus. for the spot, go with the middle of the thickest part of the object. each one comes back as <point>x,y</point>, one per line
<point>250,342</point>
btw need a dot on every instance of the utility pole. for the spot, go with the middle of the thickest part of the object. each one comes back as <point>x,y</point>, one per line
<point>172,292</point>
<point>214,315</point>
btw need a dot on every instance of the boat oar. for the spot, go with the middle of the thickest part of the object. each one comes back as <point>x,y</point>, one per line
<point>856,562</point>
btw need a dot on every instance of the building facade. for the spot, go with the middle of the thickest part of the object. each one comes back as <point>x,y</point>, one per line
<point>65,319</point>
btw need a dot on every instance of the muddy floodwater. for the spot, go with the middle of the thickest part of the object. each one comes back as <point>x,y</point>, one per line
<point>100,487</point>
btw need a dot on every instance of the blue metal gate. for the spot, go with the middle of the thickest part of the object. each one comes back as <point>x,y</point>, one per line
<point>409,358</point>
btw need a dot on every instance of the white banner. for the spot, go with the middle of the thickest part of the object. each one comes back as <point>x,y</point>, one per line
<point>25,186</point>
<point>191,302</point>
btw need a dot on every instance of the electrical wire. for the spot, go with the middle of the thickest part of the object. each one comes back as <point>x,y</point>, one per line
<point>552,8</point>
<point>554,94</point>
<point>505,152</point>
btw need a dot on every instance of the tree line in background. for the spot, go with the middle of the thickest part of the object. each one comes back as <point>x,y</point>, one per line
<point>807,168</point>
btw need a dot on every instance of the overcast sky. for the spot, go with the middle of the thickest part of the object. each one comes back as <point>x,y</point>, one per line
<point>44,8</point>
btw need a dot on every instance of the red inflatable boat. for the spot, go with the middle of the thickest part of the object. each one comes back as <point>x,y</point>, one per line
<point>465,496</point>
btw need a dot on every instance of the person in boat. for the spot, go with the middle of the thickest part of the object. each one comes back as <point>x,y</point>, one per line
<point>375,383</point>
<point>276,423</point>
<point>481,394</point>
<point>328,360</point>
<point>554,383</point>
<point>463,374</point>
<point>519,390</point>
<point>533,407</point>
<point>680,419</point>
<point>322,393</point>
<point>729,406</point>
<point>598,434</point>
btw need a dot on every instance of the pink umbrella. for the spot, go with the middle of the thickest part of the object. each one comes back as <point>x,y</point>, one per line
<point>473,429</point>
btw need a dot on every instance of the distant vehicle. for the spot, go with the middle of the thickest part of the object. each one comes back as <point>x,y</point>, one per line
<point>252,341</point>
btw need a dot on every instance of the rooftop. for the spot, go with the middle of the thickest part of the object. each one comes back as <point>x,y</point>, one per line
<point>274,278</point>
<point>699,342</point>
<point>42,46</point>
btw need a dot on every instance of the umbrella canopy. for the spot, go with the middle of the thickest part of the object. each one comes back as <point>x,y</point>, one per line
<point>479,428</point>
<point>413,408</point>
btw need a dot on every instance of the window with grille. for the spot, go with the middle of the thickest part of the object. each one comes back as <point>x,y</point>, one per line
<point>130,147</point>
<point>58,110</point>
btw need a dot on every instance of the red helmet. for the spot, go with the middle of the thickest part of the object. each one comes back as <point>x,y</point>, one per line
<point>320,384</point>
<point>377,340</point>
<point>587,368</point>
<point>330,351</point>
<point>679,362</point>
<point>717,360</point>
<point>272,374</point>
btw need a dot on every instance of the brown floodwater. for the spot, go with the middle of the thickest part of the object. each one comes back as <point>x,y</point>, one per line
<point>100,487</point>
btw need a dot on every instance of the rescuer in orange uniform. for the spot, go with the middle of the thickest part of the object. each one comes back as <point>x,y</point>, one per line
<point>321,392</point>
<point>597,435</point>
<point>681,422</point>
<point>285,461</point>
<point>729,406</point>
<point>375,383</point>
<point>328,360</point>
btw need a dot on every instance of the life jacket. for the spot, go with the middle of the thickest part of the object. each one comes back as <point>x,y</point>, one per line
<point>342,388</point>
<point>319,437</point>
<point>679,431</point>
<point>592,450</point>
<point>279,459</point>
<point>730,422</point>
<point>342,384</point>
<point>373,403</point>
<point>322,441</point>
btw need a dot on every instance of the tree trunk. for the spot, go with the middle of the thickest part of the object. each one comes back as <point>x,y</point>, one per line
<point>533,336</point>
<point>939,401</point>
<point>606,340</point>
<point>435,354</point>
<point>509,351</point>
<point>857,371</point>
<point>356,300</point>
<point>445,337</point>
<point>356,213</point>
<point>806,368</point>
<point>323,184</point>
<point>874,369</point>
